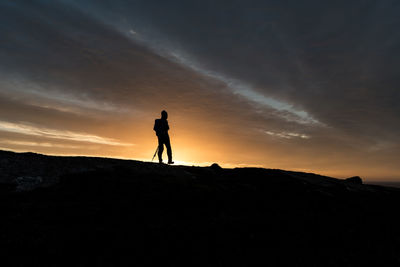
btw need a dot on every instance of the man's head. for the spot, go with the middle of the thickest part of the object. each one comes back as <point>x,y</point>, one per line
<point>164,115</point>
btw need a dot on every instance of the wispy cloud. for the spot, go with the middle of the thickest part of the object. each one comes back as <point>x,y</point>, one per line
<point>37,144</point>
<point>60,99</point>
<point>284,110</point>
<point>288,135</point>
<point>27,129</point>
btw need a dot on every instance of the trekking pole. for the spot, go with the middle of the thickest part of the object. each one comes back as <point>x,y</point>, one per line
<point>155,153</point>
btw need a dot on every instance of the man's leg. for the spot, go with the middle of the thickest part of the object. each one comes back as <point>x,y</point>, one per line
<point>160,148</point>
<point>169,150</point>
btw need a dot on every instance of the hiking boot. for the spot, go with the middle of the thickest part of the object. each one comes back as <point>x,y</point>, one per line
<point>170,162</point>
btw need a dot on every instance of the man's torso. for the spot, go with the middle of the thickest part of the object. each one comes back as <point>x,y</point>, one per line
<point>161,127</point>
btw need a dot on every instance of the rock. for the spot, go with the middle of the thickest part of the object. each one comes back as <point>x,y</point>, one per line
<point>28,183</point>
<point>354,180</point>
<point>215,167</point>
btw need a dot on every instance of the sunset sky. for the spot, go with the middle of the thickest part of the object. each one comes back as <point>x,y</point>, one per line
<point>298,85</point>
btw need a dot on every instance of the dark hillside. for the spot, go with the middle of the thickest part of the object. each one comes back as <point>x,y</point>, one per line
<point>81,211</point>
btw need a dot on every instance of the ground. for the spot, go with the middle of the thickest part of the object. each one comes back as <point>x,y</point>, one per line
<point>82,211</point>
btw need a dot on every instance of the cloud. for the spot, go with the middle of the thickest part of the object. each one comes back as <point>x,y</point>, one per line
<point>245,90</point>
<point>288,135</point>
<point>57,97</point>
<point>28,129</point>
<point>36,144</point>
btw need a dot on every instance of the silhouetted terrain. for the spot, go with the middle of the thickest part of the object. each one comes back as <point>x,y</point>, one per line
<point>81,211</point>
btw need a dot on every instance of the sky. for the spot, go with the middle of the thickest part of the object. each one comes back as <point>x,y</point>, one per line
<point>306,85</point>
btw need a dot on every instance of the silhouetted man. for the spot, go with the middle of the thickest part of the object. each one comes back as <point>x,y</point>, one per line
<point>161,127</point>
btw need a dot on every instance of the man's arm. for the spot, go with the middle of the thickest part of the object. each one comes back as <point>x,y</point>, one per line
<point>155,126</point>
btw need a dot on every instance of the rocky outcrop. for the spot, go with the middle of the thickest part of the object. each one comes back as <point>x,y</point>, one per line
<point>354,180</point>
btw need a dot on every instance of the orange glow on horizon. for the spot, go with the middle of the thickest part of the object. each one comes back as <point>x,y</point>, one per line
<point>197,150</point>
